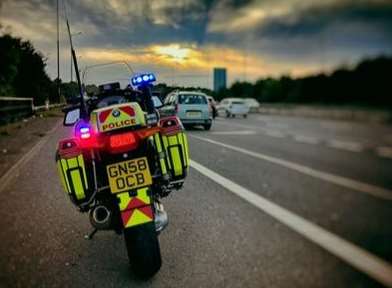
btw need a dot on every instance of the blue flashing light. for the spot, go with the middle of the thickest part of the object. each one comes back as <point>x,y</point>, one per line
<point>84,130</point>
<point>143,79</point>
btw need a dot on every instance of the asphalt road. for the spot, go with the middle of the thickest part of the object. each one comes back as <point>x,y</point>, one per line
<point>336,175</point>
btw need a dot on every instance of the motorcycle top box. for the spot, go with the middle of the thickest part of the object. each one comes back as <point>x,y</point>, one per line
<point>117,117</point>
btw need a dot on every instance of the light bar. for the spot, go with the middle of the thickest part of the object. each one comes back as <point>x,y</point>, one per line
<point>143,79</point>
<point>85,133</point>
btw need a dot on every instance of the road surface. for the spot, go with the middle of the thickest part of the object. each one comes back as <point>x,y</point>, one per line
<point>318,213</point>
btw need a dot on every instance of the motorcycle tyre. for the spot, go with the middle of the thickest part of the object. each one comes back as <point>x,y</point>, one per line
<point>143,250</point>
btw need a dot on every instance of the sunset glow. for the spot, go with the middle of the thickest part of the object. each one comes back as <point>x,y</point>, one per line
<point>172,52</point>
<point>252,39</point>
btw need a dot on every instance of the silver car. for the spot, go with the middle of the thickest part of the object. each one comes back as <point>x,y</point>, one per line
<point>231,107</point>
<point>190,106</point>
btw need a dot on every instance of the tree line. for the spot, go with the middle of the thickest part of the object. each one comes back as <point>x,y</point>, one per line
<point>22,71</point>
<point>366,84</point>
<point>23,74</point>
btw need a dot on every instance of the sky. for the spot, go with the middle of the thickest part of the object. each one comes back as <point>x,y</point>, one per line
<point>182,40</point>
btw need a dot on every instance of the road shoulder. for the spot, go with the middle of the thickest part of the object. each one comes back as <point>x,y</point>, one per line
<point>19,138</point>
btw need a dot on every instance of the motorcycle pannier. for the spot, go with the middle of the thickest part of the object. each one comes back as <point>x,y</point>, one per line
<point>74,171</point>
<point>174,144</point>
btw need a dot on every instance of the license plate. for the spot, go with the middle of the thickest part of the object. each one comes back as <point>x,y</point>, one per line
<point>129,175</point>
<point>193,114</point>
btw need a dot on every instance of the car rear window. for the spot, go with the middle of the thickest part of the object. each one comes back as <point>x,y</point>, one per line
<point>192,99</point>
<point>238,103</point>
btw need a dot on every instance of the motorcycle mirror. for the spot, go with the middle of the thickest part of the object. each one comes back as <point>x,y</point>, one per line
<point>71,117</point>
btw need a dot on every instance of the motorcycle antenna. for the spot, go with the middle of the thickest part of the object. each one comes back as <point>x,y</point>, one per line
<point>83,112</point>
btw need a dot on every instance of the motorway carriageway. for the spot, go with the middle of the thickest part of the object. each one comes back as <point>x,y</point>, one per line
<point>270,202</point>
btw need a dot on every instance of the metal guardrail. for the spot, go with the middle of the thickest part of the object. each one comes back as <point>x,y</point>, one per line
<point>14,108</point>
<point>47,107</point>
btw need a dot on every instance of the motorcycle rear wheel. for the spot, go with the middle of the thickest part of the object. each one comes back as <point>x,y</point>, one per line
<point>143,250</point>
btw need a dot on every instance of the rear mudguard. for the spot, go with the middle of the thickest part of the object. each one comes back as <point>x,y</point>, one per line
<point>136,209</point>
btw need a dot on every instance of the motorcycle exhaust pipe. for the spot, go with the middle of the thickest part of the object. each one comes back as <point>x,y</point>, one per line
<point>161,219</point>
<point>100,217</point>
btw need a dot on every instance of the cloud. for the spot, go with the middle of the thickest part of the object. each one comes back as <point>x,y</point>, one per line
<point>314,20</point>
<point>324,33</point>
<point>188,59</point>
<point>277,36</point>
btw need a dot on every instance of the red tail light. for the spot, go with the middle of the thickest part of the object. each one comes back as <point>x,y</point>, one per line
<point>127,140</point>
<point>86,137</point>
<point>170,125</point>
<point>68,148</point>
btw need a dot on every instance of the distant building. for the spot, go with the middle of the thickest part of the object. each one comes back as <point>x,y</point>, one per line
<point>219,78</point>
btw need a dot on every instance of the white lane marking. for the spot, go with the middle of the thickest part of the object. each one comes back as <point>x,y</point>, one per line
<point>369,189</point>
<point>13,171</point>
<point>384,152</point>
<point>306,139</point>
<point>359,258</point>
<point>246,132</point>
<point>276,134</point>
<point>345,145</point>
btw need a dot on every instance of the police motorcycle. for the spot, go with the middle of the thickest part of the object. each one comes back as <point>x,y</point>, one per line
<point>121,160</point>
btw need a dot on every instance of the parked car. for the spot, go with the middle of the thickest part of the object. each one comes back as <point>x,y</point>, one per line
<point>231,107</point>
<point>190,106</point>
<point>253,104</point>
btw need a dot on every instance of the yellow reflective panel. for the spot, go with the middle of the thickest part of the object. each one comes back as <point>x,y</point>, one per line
<point>78,184</point>
<point>81,164</point>
<point>163,166</point>
<point>185,139</point>
<point>124,200</point>
<point>173,140</point>
<point>61,174</point>
<point>142,194</point>
<point>138,218</point>
<point>176,158</point>
<point>65,168</point>
<point>72,163</point>
<point>181,142</point>
<point>166,144</point>
<point>158,142</point>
